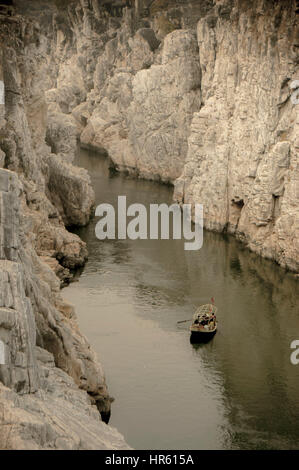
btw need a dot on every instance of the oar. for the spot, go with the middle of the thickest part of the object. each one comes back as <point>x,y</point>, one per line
<point>184,321</point>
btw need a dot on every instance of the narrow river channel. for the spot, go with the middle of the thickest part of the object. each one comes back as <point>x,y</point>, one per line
<point>238,391</point>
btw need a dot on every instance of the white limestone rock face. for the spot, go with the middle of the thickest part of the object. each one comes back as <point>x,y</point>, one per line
<point>58,417</point>
<point>62,129</point>
<point>17,324</point>
<point>56,408</point>
<point>40,193</point>
<point>142,117</point>
<point>242,161</point>
<point>70,190</point>
<point>164,98</point>
<point>108,126</point>
<point>61,135</point>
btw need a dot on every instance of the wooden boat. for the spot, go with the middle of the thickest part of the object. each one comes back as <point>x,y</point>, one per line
<point>204,324</point>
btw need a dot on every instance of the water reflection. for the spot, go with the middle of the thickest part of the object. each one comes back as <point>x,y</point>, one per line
<point>239,390</point>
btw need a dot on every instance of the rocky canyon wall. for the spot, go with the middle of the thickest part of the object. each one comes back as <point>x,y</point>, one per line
<point>242,159</point>
<point>198,94</point>
<point>52,388</point>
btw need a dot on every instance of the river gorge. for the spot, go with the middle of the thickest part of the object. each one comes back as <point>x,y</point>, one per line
<point>168,101</point>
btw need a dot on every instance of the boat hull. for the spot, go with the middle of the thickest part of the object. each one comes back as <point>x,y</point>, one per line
<point>198,336</point>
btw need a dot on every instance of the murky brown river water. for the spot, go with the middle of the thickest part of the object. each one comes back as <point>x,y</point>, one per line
<point>238,391</point>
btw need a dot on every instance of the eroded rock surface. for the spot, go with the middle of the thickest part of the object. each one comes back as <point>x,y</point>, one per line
<point>59,416</point>
<point>32,312</point>
<point>242,160</point>
<point>208,108</point>
<point>60,402</point>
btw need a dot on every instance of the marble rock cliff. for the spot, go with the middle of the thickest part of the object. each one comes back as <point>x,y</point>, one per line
<point>53,393</point>
<point>51,384</point>
<point>198,94</point>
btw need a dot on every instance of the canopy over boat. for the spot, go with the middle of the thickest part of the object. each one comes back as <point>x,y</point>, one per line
<point>205,311</point>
